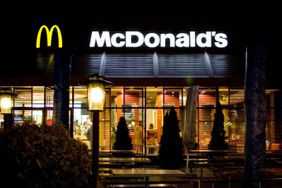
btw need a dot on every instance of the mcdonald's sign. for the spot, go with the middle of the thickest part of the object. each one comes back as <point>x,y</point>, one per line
<point>49,35</point>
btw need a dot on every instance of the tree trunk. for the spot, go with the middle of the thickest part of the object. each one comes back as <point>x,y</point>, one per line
<point>255,106</point>
<point>61,90</point>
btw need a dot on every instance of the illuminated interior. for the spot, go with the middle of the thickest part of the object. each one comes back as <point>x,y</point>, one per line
<point>144,109</point>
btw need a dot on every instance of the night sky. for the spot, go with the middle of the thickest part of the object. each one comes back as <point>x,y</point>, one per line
<point>247,22</point>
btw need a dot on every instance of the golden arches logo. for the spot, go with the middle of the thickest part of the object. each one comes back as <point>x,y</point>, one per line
<point>49,35</point>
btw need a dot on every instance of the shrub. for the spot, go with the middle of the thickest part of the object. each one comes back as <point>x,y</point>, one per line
<point>218,133</point>
<point>32,156</point>
<point>123,140</point>
<point>171,147</point>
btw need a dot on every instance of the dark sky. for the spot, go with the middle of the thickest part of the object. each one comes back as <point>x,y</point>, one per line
<point>245,18</point>
<point>247,22</point>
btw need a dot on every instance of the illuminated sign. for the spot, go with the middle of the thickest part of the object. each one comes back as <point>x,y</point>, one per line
<point>49,35</point>
<point>134,39</point>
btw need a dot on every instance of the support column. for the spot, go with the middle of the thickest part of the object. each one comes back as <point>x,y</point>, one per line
<point>61,89</point>
<point>8,121</point>
<point>95,147</point>
<point>255,107</point>
<point>277,117</point>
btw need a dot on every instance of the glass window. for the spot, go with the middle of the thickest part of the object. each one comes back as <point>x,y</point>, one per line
<point>18,117</point>
<point>49,117</point>
<point>23,97</point>
<point>81,116</point>
<point>23,116</point>
<point>71,89</point>
<point>207,98</point>
<point>223,96</point>
<point>105,128</point>
<point>117,97</point>
<point>127,102</point>
<point>154,124</point>
<point>133,113</point>
<point>173,97</point>
<point>33,105</point>
<point>38,96</point>
<point>1,122</point>
<point>271,95</point>
<point>133,97</point>
<point>237,97</point>
<point>154,97</point>
<point>37,117</point>
<point>206,105</point>
<point>205,123</point>
<point>107,97</point>
<point>49,97</point>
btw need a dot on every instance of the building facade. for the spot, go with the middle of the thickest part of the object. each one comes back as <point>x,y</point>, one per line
<point>150,72</point>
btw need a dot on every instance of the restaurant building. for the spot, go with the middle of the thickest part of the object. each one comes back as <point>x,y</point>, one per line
<point>150,69</point>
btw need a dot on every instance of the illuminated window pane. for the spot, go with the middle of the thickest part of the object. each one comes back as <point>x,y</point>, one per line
<point>23,96</point>
<point>154,97</point>
<point>172,97</point>
<point>237,97</point>
<point>38,96</point>
<point>117,97</point>
<point>133,97</point>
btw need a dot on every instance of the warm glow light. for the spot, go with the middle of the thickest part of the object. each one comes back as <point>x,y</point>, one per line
<point>6,104</point>
<point>96,96</point>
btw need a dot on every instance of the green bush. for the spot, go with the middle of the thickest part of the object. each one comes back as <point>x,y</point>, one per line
<point>32,156</point>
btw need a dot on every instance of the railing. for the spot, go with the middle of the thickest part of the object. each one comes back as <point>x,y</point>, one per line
<point>123,153</point>
<point>172,180</point>
<point>142,177</point>
<point>219,161</point>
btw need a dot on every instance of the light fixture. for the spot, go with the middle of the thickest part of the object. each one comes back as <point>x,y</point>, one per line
<point>96,100</point>
<point>96,93</point>
<point>6,102</point>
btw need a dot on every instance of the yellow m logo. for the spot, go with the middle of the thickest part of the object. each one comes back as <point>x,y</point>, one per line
<point>49,34</point>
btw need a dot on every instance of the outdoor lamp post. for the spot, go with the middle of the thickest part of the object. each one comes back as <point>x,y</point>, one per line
<point>6,104</point>
<point>96,98</point>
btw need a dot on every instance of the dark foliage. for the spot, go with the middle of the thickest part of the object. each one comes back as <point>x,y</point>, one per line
<point>171,146</point>
<point>43,157</point>
<point>218,133</point>
<point>123,140</point>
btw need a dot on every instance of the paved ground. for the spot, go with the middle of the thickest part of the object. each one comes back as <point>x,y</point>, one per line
<point>209,179</point>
